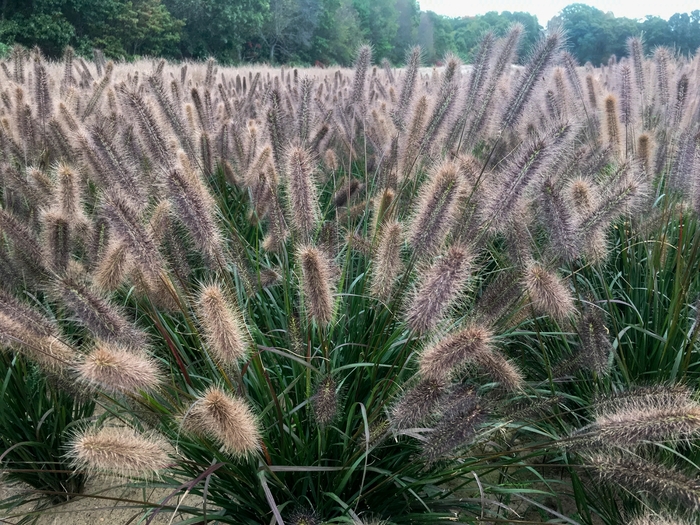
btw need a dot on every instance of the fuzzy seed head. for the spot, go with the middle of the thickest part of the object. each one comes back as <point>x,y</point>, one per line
<point>114,266</point>
<point>316,280</point>
<point>362,63</point>
<point>160,220</point>
<point>500,369</point>
<point>119,371</point>
<point>120,451</point>
<point>68,194</point>
<point>596,249</point>
<point>635,49</point>
<point>627,419</point>
<point>651,479</point>
<point>347,191</point>
<point>325,401</point>
<point>417,404</point>
<point>226,419</point>
<point>330,160</point>
<point>661,395</point>
<point>125,223</point>
<point>269,278</point>
<point>647,422</point>
<point>558,221</point>
<point>590,87</point>
<point>412,143</point>
<point>303,517</point>
<point>440,287</point>
<point>407,89</point>
<point>644,151</point>
<point>439,361</point>
<point>456,429</point>
<point>626,106</point>
<point>387,261</point>
<point>56,239</point>
<point>382,207</point>
<point>542,56</point>
<point>662,57</point>
<point>498,297</point>
<point>535,157</point>
<point>548,292</point>
<point>222,325</point>
<point>303,202</point>
<point>436,209</point>
<point>582,194</point>
<point>48,351</point>
<point>595,342</point>
<point>197,210</point>
<point>627,188</point>
<point>656,519</point>
<point>95,312</point>
<point>612,126</point>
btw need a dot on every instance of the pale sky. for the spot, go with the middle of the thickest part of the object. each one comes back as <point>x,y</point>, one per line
<point>546,9</point>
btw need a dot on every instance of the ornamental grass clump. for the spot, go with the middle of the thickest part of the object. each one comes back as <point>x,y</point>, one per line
<point>369,295</point>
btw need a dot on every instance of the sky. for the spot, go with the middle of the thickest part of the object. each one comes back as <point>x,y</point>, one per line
<point>546,9</point>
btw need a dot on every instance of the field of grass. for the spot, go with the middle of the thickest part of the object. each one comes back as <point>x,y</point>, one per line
<point>354,296</point>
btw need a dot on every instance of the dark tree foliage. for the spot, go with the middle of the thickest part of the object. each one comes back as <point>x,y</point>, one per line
<point>218,28</point>
<point>119,27</point>
<point>312,32</point>
<point>595,35</point>
<point>468,31</point>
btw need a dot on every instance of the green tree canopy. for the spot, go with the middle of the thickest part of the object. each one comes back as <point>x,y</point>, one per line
<point>313,31</point>
<point>379,25</point>
<point>468,30</point>
<point>218,27</point>
<point>119,27</point>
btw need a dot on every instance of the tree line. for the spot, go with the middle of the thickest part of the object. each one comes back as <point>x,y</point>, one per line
<point>314,32</point>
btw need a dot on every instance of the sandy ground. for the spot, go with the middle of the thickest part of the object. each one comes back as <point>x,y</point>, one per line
<point>93,511</point>
<point>96,511</point>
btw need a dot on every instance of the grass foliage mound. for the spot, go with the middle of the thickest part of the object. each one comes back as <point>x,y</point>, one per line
<point>369,296</point>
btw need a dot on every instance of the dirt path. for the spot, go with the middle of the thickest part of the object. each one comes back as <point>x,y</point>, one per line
<point>94,510</point>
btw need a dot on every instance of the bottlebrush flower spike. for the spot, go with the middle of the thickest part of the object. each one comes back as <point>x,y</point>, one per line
<point>439,361</point>
<point>113,369</point>
<point>196,208</point>
<point>386,264</point>
<point>398,115</point>
<point>659,519</point>
<point>222,324</point>
<point>542,56</point>
<point>417,404</point>
<point>455,429</point>
<point>639,416</point>
<point>595,341</point>
<point>362,63</point>
<point>119,450</point>
<point>635,49</point>
<point>441,285</point>
<point>654,480</point>
<point>316,280</point>
<point>93,311</point>
<point>612,126</point>
<point>227,419</point>
<point>435,210</point>
<point>325,401</point>
<point>547,292</point>
<point>303,202</point>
